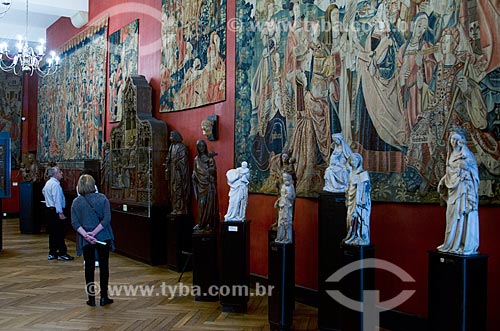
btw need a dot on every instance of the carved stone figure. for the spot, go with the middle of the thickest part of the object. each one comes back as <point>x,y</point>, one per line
<point>177,174</point>
<point>209,128</point>
<point>337,173</point>
<point>105,168</point>
<point>205,187</point>
<point>459,187</point>
<point>33,167</point>
<point>285,204</point>
<point>238,180</point>
<point>23,172</point>
<point>30,171</point>
<point>358,203</point>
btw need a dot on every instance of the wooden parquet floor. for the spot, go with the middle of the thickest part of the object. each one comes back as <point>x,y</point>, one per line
<point>37,294</point>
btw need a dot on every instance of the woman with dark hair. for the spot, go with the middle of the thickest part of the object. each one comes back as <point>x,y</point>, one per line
<point>91,218</point>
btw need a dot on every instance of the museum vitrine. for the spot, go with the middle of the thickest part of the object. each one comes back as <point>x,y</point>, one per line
<point>138,146</point>
<point>138,190</point>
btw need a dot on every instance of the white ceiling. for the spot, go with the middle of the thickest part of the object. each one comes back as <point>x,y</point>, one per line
<point>41,15</point>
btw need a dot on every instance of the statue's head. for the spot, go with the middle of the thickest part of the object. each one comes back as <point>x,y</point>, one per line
<point>207,128</point>
<point>175,137</point>
<point>201,147</point>
<point>356,160</point>
<point>337,138</point>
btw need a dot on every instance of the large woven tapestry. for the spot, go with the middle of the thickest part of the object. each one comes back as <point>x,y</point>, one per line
<point>392,76</point>
<point>71,102</point>
<point>193,52</point>
<point>11,106</point>
<point>123,59</point>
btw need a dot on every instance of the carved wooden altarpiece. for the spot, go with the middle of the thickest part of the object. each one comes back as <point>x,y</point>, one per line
<point>138,148</point>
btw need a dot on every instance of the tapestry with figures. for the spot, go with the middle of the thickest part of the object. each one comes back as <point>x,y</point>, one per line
<point>71,103</point>
<point>123,60</point>
<point>11,106</point>
<point>193,54</point>
<point>393,77</point>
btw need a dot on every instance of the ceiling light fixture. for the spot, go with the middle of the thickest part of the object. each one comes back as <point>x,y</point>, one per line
<point>5,7</point>
<point>28,60</point>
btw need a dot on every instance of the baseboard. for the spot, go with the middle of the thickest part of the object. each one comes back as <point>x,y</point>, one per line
<point>392,320</point>
<point>10,215</point>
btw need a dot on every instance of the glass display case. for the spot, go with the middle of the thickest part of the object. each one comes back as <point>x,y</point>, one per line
<point>138,147</point>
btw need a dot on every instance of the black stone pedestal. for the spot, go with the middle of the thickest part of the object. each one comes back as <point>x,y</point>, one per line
<point>352,285</point>
<point>281,268</point>
<point>235,266</point>
<point>179,231</point>
<point>457,291</point>
<point>205,266</point>
<point>30,215</point>
<point>331,230</point>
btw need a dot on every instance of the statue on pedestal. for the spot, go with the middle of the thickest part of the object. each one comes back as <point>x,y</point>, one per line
<point>177,174</point>
<point>337,173</point>
<point>105,169</point>
<point>205,188</point>
<point>459,188</point>
<point>33,167</point>
<point>358,203</point>
<point>285,204</point>
<point>238,180</point>
<point>29,171</point>
<point>23,172</point>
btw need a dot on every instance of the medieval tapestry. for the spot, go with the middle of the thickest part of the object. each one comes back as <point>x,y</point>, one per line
<point>123,59</point>
<point>71,102</point>
<point>393,77</point>
<point>193,52</point>
<point>11,106</point>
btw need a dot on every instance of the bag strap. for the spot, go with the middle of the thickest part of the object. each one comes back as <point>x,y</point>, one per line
<point>98,217</point>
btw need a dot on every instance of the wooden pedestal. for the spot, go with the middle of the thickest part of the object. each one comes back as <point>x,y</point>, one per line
<point>205,265</point>
<point>179,232</point>
<point>140,237</point>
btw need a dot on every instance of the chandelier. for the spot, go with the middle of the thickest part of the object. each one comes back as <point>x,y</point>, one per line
<point>28,60</point>
<point>5,7</point>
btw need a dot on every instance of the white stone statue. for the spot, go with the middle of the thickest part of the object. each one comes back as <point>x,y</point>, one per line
<point>358,203</point>
<point>238,180</point>
<point>459,187</point>
<point>285,204</point>
<point>337,173</point>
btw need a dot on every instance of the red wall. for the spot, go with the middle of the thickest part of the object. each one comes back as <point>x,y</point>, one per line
<point>402,233</point>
